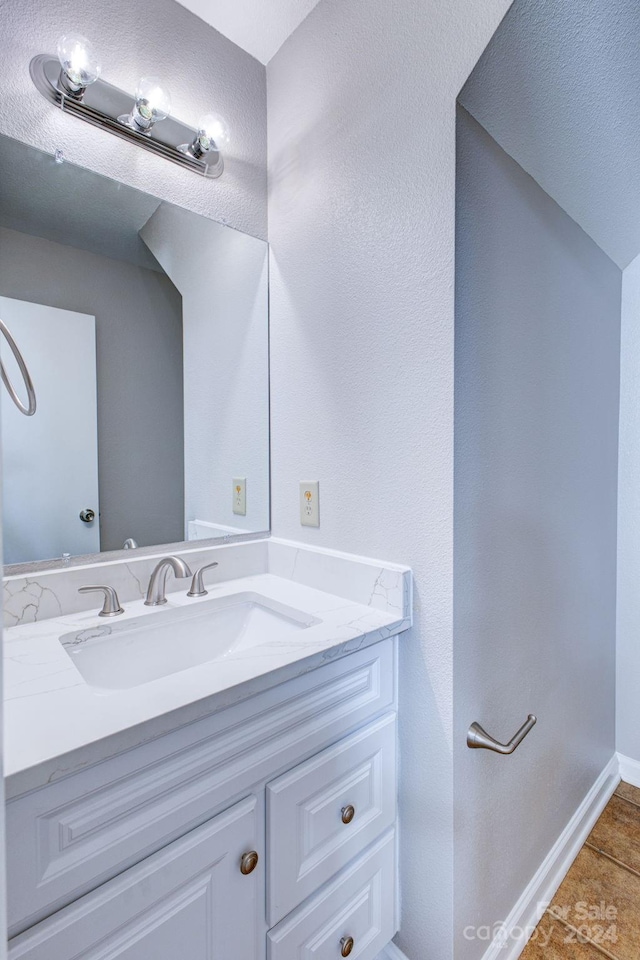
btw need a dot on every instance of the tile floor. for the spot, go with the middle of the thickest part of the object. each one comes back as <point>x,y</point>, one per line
<point>596,911</point>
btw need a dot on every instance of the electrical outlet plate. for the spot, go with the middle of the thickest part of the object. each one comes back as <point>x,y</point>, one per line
<point>310,504</point>
<point>240,496</point>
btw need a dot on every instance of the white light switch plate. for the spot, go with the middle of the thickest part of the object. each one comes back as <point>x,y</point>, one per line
<point>240,496</point>
<point>310,504</point>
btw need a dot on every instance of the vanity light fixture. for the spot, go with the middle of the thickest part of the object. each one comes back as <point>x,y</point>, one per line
<point>72,82</point>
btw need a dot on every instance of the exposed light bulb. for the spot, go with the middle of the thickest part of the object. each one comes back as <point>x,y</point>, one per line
<point>213,134</point>
<point>153,103</point>
<point>79,62</point>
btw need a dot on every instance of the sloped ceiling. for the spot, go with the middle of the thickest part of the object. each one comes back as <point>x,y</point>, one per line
<point>558,88</point>
<point>70,205</point>
<point>258,26</point>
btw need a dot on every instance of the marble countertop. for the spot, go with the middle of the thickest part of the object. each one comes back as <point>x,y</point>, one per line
<point>56,723</point>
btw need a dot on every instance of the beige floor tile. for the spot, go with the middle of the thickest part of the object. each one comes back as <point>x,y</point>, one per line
<point>628,792</point>
<point>602,900</point>
<point>553,941</point>
<point>617,832</point>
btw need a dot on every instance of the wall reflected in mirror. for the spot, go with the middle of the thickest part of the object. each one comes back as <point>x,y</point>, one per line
<point>145,330</point>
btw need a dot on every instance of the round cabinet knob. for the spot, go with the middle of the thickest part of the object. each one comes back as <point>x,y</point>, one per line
<point>87,515</point>
<point>348,813</point>
<point>347,946</point>
<point>249,862</point>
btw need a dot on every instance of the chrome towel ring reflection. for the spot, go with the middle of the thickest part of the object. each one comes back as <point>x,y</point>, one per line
<point>26,376</point>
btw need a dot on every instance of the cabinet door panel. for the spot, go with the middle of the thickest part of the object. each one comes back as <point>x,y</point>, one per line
<point>309,837</point>
<point>189,901</point>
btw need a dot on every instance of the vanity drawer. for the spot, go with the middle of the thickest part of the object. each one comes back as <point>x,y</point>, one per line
<point>359,904</point>
<point>324,812</point>
<point>74,834</point>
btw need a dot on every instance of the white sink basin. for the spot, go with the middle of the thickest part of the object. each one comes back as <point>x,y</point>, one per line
<point>132,652</point>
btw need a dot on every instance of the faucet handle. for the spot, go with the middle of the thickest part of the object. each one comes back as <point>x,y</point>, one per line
<point>197,586</point>
<point>111,606</point>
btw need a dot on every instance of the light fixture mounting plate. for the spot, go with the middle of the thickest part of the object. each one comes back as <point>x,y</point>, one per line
<point>102,104</point>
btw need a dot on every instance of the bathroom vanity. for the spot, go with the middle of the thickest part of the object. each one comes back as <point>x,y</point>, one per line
<point>244,807</point>
<point>212,776</point>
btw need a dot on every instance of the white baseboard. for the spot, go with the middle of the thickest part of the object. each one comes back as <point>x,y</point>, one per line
<point>391,952</point>
<point>629,770</point>
<point>537,896</point>
<point>539,893</point>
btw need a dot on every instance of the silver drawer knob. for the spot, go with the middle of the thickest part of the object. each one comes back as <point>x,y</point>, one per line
<point>348,813</point>
<point>249,862</point>
<point>347,946</point>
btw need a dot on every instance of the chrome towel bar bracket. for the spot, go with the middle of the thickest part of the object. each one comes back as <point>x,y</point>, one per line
<point>479,739</point>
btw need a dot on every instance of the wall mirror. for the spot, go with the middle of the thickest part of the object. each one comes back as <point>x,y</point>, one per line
<point>145,330</point>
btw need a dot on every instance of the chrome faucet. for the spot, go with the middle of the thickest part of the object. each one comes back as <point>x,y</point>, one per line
<point>156,593</point>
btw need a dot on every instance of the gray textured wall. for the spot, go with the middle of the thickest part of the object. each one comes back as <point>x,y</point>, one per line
<point>537,364</point>
<point>203,70</point>
<point>361,225</point>
<point>139,364</point>
<point>628,649</point>
<point>557,89</point>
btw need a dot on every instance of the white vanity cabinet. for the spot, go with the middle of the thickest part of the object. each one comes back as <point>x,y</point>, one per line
<point>151,854</point>
<point>188,900</point>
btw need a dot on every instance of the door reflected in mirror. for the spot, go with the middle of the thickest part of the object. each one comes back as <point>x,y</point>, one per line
<point>144,327</point>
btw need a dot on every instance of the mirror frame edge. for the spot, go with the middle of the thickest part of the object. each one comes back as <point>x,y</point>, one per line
<point>116,556</point>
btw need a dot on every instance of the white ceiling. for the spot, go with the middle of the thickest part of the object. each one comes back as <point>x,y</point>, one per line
<point>558,87</point>
<point>258,26</point>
